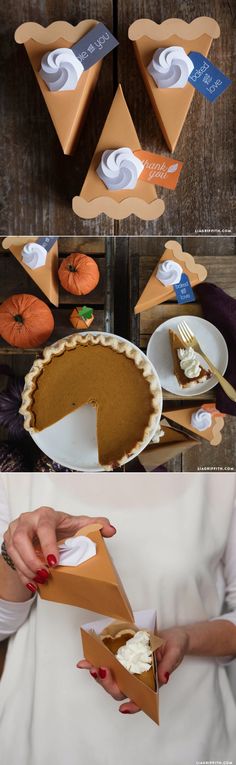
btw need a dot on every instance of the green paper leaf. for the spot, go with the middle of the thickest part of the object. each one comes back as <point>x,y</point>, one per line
<point>85,313</point>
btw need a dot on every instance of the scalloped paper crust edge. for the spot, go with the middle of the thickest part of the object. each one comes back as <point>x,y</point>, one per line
<point>17,240</point>
<point>30,30</point>
<point>118,210</point>
<point>71,342</point>
<point>187,31</point>
<point>185,257</point>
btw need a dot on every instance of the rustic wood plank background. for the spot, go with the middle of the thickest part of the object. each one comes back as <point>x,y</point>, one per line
<point>218,256</point>
<point>38,182</point>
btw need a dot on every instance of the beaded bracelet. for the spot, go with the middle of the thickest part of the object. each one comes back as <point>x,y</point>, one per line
<point>6,557</point>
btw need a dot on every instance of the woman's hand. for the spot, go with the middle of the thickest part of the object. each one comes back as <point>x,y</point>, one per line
<point>48,526</point>
<point>169,656</point>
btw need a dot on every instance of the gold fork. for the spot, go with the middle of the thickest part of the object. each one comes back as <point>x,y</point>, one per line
<point>189,339</point>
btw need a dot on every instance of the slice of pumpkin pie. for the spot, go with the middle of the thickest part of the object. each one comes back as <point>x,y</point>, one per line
<point>187,367</point>
<point>162,55</point>
<point>113,184</point>
<point>56,69</point>
<point>107,373</point>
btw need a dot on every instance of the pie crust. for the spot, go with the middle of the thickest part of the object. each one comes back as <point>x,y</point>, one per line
<point>170,105</point>
<point>67,108</point>
<point>142,409</point>
<point>95,198</point>
<point>44,277</point>
<point>155,292</point>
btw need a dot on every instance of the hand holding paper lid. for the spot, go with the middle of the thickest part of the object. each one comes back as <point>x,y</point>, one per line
<point>92,584</point>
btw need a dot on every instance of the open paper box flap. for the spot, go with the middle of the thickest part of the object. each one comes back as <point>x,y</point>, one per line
<point>93,585</point>
<point>99,655</point>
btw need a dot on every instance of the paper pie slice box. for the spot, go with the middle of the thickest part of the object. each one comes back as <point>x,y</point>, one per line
<point>184,419</point>
<point>95,198</point>
<point>170,105</point>
<point>93,585</point>
<point>99,654</point>
<point>67,108</point>
<point>45,277</point>
<point>155,292</point>
<point>170,446</point>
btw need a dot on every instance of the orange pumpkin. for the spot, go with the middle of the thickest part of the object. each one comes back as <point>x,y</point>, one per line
<point>79,274</point>
<point>81,317</point>
<point>25,321</point>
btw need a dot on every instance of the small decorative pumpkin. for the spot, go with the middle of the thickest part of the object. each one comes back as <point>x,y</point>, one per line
<point>25,321</point>
<point>81,317</point>
<point>79,274</point>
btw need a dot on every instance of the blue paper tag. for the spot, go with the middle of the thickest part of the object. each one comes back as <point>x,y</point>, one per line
<point>183,290</point>
<point>46,241</point>
<point>94,46</point>
<point>206,78</point>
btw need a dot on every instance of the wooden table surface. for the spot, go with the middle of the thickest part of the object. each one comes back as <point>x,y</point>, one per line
<point>125,266</point>
<point>38,181</point>
<point>218,256</point>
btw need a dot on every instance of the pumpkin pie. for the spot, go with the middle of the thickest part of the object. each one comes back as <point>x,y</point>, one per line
<point>187,356</point>
<point>155,291</point>
<point>44,276</point>
<point>95,197</point>
<point>118,640</point>
<point>204,422</point>
<point>105,372</point>
<point>67,108</point>
<point>170,104</point>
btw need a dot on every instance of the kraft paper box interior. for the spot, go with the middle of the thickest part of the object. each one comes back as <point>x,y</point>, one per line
<point>96,652</point>
<point>93,585</point>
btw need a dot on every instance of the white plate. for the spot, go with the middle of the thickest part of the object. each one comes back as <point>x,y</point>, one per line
<point>211,341</point>
<point>73,441</point>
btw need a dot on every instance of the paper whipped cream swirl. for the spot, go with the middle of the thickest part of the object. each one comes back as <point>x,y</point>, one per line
<point>119,169</point>
<point>170,67</point>
<point>169,272</point>
<point>136,654</point>
<point>201,420</point>
<point>76,550</point>
<point>189,362</point>
<point>60,69</point>
<point>34,255</point>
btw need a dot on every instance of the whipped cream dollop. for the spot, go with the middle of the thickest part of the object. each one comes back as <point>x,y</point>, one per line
<point>189,362</point>
<point>60,69</point>
<point>136,654</point>
<point>34,255</point>
<point>170,67</point>
<point>201,420</point>
<point>169,272</point>
<point>119,169</point>
<point>76,550</point>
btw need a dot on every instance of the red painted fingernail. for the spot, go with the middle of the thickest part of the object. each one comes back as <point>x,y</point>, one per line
<point>94,674</point>
<point>31,587</point>
<point>125,711</point>
<point>42,572</point>
<point>39,580</point>
<point>167,675</point>
<point>102,673</point>
<point>52,561</point>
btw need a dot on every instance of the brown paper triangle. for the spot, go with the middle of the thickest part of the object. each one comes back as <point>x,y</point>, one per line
<point>171,105</point>
<point>46,276</point>
<point>171,445</point>
<point>155,292</point>
<point>95,198</point>
<point>67,109</point>
<point>94,585</point>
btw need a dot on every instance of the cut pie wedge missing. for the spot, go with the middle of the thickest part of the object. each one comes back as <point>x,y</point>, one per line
<point>95,198</point>
<point>170,105</point>
<point>67,109</point>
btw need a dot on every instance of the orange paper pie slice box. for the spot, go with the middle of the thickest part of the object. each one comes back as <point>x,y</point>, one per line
<point>67,108</point>
<point>155,291</point>
<point>101,641</point>
<point>44,276</point>
<point>93,585</point>
<point>95,197</point>
<point>204,421</point>
<point>170,444</point>
<point>184,381</point>
<point>170,104</point>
